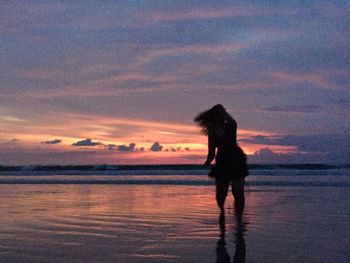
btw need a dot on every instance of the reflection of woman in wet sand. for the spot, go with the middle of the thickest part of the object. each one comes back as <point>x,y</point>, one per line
<point>222,256</point>
<point>230,161</point>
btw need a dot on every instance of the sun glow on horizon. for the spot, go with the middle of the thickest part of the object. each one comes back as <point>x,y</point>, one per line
<point>123,140</point>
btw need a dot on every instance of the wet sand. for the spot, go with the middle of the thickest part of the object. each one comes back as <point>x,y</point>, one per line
<point>145,223</point>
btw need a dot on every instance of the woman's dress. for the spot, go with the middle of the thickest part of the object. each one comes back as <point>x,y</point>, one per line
<point>230,160</point>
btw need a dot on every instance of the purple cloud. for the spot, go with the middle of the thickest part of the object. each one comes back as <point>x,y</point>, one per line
<point>125,148</point>
<point>313,143</point>
<point>56,141</point>
<point>156,147</point>
<point>87,142</point>
<point>266,152</point>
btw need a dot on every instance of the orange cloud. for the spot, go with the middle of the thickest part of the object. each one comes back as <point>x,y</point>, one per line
<point>194,49</point>
<point>200,13</point>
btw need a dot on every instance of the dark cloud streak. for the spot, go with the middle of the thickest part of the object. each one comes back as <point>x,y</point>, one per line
<point>127,148</point>
<point>86,142</point>
<point>314,143</point>
<point>56,141</point>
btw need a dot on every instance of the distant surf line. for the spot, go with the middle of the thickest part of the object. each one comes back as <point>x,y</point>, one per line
<point>168,182</point>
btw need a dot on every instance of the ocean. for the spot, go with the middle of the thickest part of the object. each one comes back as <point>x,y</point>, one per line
<point>168,213</point>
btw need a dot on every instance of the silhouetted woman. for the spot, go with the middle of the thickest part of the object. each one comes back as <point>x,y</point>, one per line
<point>230,161</point>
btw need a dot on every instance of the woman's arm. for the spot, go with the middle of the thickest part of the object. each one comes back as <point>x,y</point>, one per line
<point>211,150</point>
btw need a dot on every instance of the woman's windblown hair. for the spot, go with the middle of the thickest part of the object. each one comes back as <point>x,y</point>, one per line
<point>215,116</point>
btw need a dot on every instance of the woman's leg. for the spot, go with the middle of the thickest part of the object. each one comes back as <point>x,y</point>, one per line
<point>238,194</point>
<point>221,192</point>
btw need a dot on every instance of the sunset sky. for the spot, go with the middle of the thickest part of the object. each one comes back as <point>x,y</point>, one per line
<point>119,82</point>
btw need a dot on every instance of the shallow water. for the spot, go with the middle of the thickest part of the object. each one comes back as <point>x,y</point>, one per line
<point>171,223</point>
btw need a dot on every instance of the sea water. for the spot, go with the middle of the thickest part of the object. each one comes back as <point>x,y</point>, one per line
<point>169,214</point>
<point>260,175</point>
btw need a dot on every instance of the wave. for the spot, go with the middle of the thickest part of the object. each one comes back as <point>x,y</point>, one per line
<point>187,167</point>
<point>260,175</point>
<point>170,172</point>
<point>172,182</point>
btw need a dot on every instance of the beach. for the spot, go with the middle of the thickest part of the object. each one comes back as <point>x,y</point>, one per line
<point>171,223</point>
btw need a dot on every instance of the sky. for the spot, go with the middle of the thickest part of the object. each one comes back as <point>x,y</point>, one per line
<point>119,82</point>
